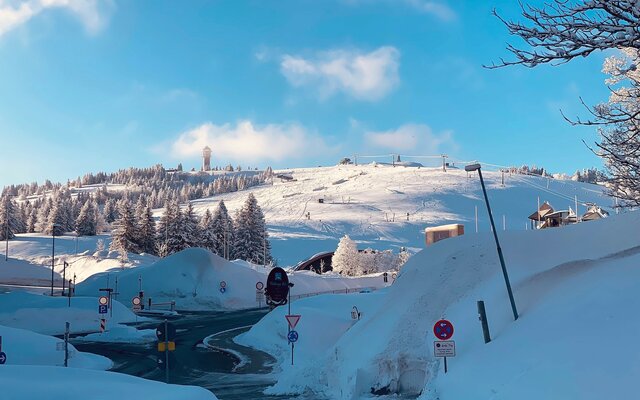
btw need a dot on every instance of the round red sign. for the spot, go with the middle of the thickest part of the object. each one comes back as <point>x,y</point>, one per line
<point>443,329</point>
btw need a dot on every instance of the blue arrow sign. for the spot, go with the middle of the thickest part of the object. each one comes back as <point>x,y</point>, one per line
<point>103,309</point>
<point>292,336</point>
<point>3,358</point>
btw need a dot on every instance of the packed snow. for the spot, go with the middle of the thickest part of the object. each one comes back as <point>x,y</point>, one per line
<point>24,347</point>
<point>48,315</point>
<point>192,278</point>
<point>17,382</point>
<point>569,284</point>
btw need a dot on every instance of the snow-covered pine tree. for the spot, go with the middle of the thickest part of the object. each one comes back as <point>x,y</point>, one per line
<point>123,238</point>
<point>43,216</point>
<point>190,227</point>
<point>345,259</point>
<point>86,224</point>
<point>206,229</point>
<point>223,231</point>
<point>168,237</point>
<point>110,212</point>
<point>9,218</point>
<point>251,237</point>
<point>56,222</point>
<point>147,231</point>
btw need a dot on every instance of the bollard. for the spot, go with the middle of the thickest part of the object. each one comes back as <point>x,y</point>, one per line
<point>482,315</point>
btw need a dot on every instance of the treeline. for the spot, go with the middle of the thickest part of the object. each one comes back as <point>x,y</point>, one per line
<point>243,237</point>
<point>347,260</point>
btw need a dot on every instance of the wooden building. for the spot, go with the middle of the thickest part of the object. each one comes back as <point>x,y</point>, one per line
<point>437,233</point>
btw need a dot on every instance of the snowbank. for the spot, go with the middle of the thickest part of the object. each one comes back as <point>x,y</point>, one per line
<point>121,334</point>
<point>35,382</point>
<point>47,315</point>
<point>24,347</point>
<point>192,278</point>
<point>559,276</point>
<point>22,272</point>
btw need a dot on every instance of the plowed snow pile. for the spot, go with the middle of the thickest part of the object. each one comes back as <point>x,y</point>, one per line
<point>576,289</point>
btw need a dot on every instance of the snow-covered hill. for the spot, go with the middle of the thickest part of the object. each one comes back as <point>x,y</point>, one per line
<point>371,202</point>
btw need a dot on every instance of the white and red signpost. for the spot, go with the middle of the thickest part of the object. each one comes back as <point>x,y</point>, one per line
<point>443,347</point>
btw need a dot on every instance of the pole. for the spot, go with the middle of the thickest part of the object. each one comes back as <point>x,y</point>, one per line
<point>76,242</point>
<point>64,275</point>
<point>502,178</point>
<point>166,351</point>
<point>482,314</point>
<point>69,293</point>
<point>115,292</point>
<point>6,231</point>
<point>495,235</point>
<point>576,199</point>
<point>538,212</point>
<point>66,344</point>
<point>504,222</point>
<point>444,166</point>
<point>445,365</point>
<point>53,252</point>
<point>264,248</point>
<point>476,219</point>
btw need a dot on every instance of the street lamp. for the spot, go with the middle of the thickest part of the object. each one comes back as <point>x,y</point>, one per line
<point>53,251</point>
<point>476,167</point>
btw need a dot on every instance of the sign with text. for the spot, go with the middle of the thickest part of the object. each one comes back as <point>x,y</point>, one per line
<point>444,348</point>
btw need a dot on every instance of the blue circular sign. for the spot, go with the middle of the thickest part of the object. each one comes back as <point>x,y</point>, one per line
<point>292,336</point>
<point>222,290</point>
<point>3,358</point>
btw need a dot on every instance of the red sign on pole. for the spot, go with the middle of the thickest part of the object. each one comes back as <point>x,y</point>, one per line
<point>443,329</point>
<point>292,320</point>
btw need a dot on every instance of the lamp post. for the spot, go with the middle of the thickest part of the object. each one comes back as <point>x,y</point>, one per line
<point>53,251</point>
<point>476,167</point>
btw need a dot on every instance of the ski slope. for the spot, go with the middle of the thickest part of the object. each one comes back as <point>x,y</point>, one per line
<point>370,203</point>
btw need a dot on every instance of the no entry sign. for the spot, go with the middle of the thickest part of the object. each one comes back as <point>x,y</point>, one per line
<point>443,329</point>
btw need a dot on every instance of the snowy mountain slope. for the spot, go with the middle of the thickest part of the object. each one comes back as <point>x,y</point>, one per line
<point>371,202</point>
<point>567,283</point>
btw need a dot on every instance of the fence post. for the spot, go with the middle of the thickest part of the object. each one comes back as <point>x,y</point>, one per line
<point>482,315</point>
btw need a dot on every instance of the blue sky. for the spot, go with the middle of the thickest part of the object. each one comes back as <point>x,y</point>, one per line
<point>89,85</point>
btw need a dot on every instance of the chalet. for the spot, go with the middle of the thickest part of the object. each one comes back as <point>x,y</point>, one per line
<point>594,212</point>
<point>547,217</point>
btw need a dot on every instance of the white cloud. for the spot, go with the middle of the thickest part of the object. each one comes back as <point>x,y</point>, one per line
<point>93,14</point>
<point>364,76</point>
<point>417,138</point>
<point>247,142</point>
<point>439,8</point>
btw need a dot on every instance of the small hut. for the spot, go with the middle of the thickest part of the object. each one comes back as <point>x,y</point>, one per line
<point>538,217</point>
<point>437,233</point>
<point>593,213</point>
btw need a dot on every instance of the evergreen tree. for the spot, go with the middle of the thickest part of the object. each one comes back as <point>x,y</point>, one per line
<point>86,223</point>
<point>190,227</point>
<point>206,229</point>
<point>168,237</point>
<point>147,231</point>
<point>251,237</point>
<point>123,238</point>
<point>56,221</point>
<point>222,231</point>
<point>110,212</point>
<point>9,218</point>
<point>345,260</point>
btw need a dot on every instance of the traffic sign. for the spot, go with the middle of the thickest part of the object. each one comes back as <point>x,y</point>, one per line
<point>103,300</point>
<point>443,329</point>
<point>136,301</point>
<point>277,287</point>
<point>170,334</point>
<point>292,336</point>
<point>222,290</point>
<point>223,284</point>
<point>171,346</point>
<point>444,348</point>
<point>293,321</point>
<point>103,309</point>
<point>3,358</point>
<point>259,285</point>
<point>103,325</point>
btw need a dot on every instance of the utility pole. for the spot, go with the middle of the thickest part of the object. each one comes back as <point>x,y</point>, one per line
<point>6,231</point>
<point>444,162</point>
<point>53,252</point>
